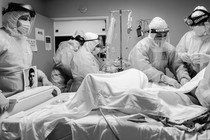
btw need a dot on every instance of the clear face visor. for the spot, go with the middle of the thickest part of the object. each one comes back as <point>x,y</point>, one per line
<point>27,21</point>
<point>100,42</point>
<point>160,36</point>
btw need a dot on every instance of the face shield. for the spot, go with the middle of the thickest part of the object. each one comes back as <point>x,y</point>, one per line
<point>199,30</point>
<point>21,8</point>
<point>97,48</point>
<point>25,24</point>
<point>160,36</point>
<point>196,20</point>
<point>91,41</point>
<point>18,19</point>
<point>207,26</point>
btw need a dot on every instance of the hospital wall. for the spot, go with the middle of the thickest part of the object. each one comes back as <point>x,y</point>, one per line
<point>42,58</point>
<point>1,2</point>
<point>173,11</point>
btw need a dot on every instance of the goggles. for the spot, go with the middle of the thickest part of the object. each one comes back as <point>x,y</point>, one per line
<point>160,33</point>
<point>80,39</point>
<point>196,21</point>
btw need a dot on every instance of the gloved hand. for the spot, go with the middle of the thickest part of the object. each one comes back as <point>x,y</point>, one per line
<point>199,58</point>
<point>4,103</point>
<point>184,81</point>
<point>170,81</point>
<point>186,57</point>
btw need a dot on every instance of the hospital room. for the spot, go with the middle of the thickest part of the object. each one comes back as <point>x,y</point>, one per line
<point>104,70</point>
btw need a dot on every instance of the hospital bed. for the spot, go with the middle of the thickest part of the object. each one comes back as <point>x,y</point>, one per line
<point>94,126</point>
<point>100,123</point>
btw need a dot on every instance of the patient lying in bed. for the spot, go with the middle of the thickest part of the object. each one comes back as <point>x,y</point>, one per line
<point>127,91</point>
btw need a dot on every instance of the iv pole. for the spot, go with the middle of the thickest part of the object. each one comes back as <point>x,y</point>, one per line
<point>120,13</point>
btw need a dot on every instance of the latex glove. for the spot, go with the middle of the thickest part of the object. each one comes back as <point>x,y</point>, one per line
<point>4,103</point>
<point>199,58</point>
<point>170,81</point>
<point>186,57</point>
<point>184,81</point>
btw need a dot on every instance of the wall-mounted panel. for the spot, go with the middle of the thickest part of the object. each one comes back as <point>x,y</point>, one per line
<point>68,26</point>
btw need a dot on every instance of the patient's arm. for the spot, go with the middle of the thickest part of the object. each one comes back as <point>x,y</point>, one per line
<point>43,78</point>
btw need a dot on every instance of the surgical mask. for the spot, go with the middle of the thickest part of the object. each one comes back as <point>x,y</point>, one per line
<point>199,30</point>
<point>24,27</point>
<point>159,36</point>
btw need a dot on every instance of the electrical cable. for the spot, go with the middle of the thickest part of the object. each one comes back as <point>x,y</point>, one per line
<point>116,136</point>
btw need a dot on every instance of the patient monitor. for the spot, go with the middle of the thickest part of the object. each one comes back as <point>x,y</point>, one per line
<point>28,99</point>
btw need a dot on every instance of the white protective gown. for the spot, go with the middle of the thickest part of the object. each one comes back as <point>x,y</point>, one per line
<point>61,75</point>
<point>64,55</point>
<point>83,63</point>
<point>153,61</point>
<point>15,55</point>
<point>191,44</point>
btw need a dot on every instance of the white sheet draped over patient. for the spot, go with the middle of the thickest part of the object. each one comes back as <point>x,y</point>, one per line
<point>128,91</point>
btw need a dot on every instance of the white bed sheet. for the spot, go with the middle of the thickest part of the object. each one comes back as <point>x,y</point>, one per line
<point>85,121</point>
<point>10,127</point>
<point>94,127</point>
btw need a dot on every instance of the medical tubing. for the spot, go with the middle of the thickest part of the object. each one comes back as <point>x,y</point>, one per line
<point>116,136</point>
<point>121,40</point>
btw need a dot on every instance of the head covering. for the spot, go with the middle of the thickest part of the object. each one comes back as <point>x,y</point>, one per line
<point>158,24</point>
<point>158,29</point>
<point>91,41</point>
<point>79,32</point>
<point>79,36</point>
<point>20,7</point>
<point>12,14</point>
<point>199,15</point>
<point>10,22</point>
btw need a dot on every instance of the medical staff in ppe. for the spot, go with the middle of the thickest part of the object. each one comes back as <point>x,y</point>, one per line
<point>193,48</point>
<point>84,60</point>
<point>61,75</point>
<point>154,54</point>
<point>15,50</point>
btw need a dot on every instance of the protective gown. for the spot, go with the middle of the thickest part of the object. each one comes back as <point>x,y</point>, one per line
<point>191,44</point>
<point>61,75</point>
<point>153,60</point>
<point>83,63</point>
<point>15,55</point>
